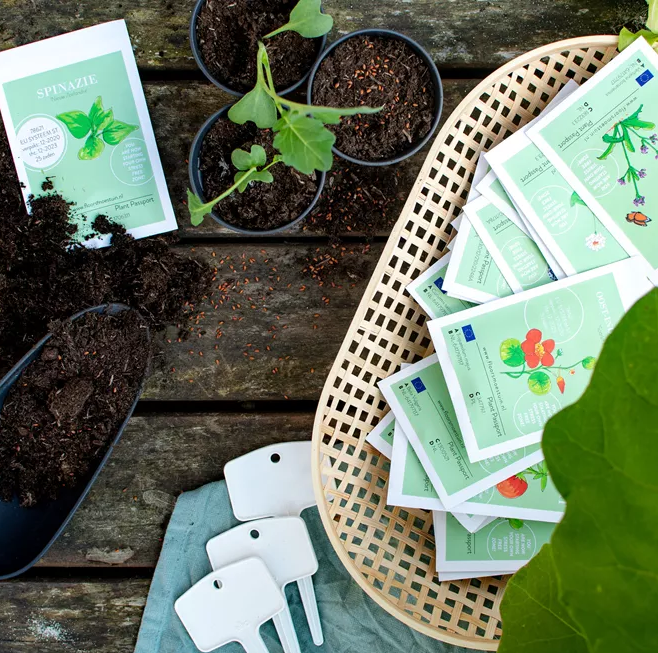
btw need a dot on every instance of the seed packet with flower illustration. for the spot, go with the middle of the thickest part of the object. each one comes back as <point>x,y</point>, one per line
<point>505,544</point>
<point>428,291</point>
<point>410,487</point>
<point>420,400</point>
<point>513,364</point>
<point>491,188</point>
<point>75,114</point>
<point>562,220</point>
<point>603,140</point>
<point>517,256</point>
<point>381,437</point>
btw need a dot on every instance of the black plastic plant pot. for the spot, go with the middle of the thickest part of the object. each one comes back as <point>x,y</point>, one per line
<point>196,181</point>
<point>26,534</point>
<point>194,44</point>
<point>434,76</point>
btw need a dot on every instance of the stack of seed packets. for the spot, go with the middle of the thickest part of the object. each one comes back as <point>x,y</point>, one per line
<point>555,243</point>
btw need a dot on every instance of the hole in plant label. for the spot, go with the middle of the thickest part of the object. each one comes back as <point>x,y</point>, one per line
<point>254,534</point>
<point>217,584</point>
<point>275,458</point>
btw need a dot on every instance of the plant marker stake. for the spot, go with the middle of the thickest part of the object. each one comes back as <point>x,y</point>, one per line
<point>230,605</point>
<point>275,481</point>
<point>284,545</point>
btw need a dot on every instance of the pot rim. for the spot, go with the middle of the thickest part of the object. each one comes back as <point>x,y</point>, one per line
<point>197,184</point>
<point>204,69</point>
<point>434,75</point>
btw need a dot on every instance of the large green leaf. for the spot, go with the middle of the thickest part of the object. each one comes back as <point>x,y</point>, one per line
<point>256,106</point>
<point>78,123</point>
<point>626,37</point>
<point>307,19</point>
<point>305,143</point>
<point>601,454</point>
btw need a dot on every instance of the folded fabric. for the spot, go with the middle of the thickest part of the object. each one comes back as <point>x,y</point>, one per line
<point>351,621</point>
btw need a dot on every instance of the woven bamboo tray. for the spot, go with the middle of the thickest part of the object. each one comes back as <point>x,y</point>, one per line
<point>390,551</point>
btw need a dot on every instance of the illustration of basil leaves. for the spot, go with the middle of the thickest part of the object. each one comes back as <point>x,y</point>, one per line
<point>98,127</point>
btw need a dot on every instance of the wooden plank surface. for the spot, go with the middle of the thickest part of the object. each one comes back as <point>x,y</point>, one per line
<point>457,33</point>
<point>123,520</point>
<point>69,616</point>
<point>271,332</point>
<point>178,109</point>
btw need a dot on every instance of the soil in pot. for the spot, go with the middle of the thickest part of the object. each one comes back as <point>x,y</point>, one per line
<point>62,413</point>
<point>377,71</point>
<point>228,35</point>
<point>45,276</point>
<point>262,206</point>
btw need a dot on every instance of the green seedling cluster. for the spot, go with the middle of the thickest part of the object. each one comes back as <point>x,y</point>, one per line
<point>301,137</point>
<point>626,37</point>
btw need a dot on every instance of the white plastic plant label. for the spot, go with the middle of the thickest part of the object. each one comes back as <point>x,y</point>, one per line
<point>230,605</point>
<point>75,113</point>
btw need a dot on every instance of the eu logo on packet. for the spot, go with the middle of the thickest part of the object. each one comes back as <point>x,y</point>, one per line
<point>418,385</point>
<point>439,284</point>
<point>645,77</point>
<point>469,334</point>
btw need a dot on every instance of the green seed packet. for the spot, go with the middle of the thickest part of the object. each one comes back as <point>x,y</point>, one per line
<point>515,253</point>
<point>506,544</point>
<point>75,113</point>
<point>562,220</point>
<point>381,437</point>
<point>603,140</point>
<point>420,400</point>
<point>472,273</point>
<point>428,291</point>
<point>410,487</point>
<point>512,364</point>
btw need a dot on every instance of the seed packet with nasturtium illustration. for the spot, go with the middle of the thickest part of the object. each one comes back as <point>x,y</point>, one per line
<point>562,220</point>
<point>420,400</point>
<point>506,544</point>
<point>409,486</point>
<point>513,364</point>
<point>603,140</point>
<point>75,115</point>
<point>515,253</point>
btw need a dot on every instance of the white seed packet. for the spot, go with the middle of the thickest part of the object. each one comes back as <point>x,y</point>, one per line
<point>420,400</point>
<point>446,576</point>
<point>381,437</point>
<point>510,365</point>
<point>504,545</point>
<point>74,111</point>
<point>410,487</point>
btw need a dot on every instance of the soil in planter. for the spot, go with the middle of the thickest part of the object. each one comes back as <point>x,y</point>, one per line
<point>228,35</point>
<point>60,416</point>
<point>378,71</point>
<point>45,276</point>
<point>261,206</point>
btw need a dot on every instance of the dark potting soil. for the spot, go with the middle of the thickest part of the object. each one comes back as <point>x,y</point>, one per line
<point>45,276</point>
<point>62,413</point>
<point>365,71</point>
<point>228,35</point>
<point>261,206</point>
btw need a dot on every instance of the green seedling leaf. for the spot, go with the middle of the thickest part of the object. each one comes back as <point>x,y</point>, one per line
<point>652,17</point>
<point>92,149</point>
<point>77,123</point>
<point>198,210</point>
<point>332,116</point>
<point>117,131</point>
<point>593,589</point>
<point>304,143</point>
<point>256,158</point>
<point>626,37</point>
<point>511,353</point>
<point>243,180</point>
<point>256,106</point>
<point>306,19</point>
<point>539,383</point>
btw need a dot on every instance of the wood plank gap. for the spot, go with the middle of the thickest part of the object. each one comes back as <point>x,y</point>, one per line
<point>149,408</point>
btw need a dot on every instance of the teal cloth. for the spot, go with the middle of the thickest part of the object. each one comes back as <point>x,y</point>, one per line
<point>352,622</point>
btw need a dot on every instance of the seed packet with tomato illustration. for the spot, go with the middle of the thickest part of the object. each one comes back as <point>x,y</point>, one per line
<point>603,140</point>
<point>511,365</point>
<point>515,253</point>
<point>75,114</point>
<point>562,220</point>
<point>493,190</point>
<point>420,400</point>
<point>504,544</point>
<point>409,486</point>
<point>381,437</point>
<point>428,291</point>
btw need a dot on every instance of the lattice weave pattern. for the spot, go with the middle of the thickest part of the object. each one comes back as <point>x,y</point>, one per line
<point>390,551</point>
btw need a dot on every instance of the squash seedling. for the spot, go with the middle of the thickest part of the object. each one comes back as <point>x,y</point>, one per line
<point>301,138</point>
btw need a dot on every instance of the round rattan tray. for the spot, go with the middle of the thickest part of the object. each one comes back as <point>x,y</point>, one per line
<point>389,550</point>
